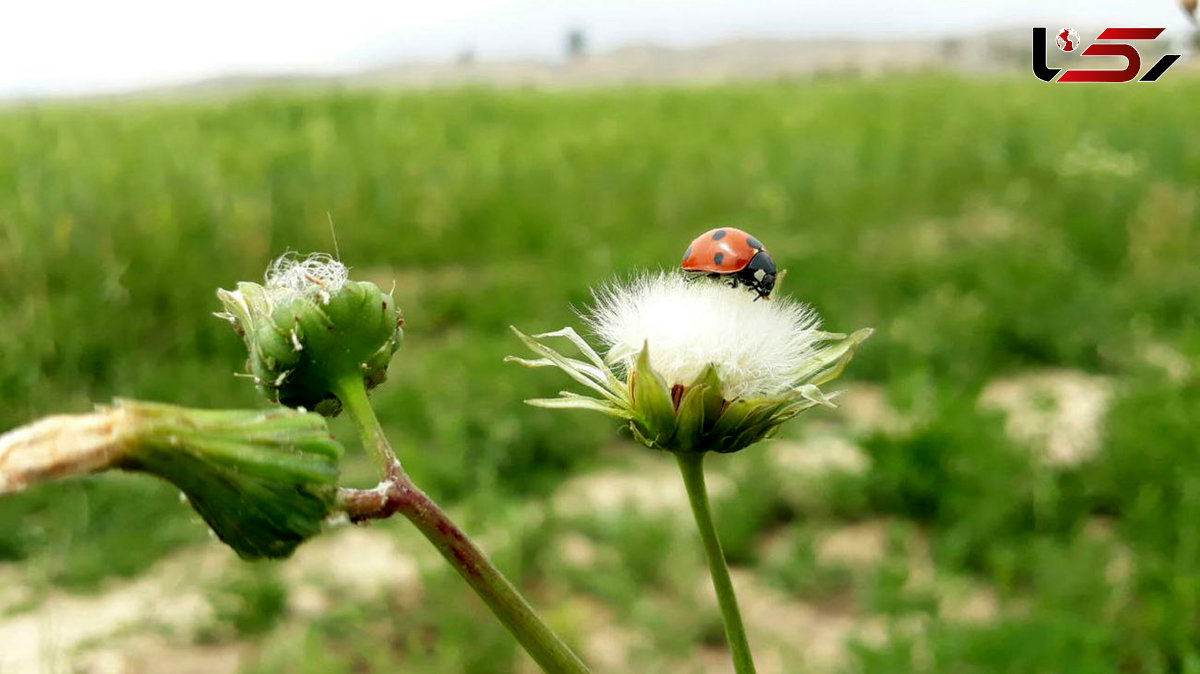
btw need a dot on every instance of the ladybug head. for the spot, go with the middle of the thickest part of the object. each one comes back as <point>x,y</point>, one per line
<point>760,274</point>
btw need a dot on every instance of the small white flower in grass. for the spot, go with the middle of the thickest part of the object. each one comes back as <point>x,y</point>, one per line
<point>697,366</point>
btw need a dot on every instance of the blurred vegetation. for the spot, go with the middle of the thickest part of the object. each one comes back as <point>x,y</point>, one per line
<point>982,227</point>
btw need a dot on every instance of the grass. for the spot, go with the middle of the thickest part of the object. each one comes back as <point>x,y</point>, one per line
<point>982,227</point>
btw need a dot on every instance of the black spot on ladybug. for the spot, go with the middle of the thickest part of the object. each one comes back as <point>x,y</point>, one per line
<point>718,235</point>
<point>718,257</point>
<point>753,243</point>
<point>687,253</point>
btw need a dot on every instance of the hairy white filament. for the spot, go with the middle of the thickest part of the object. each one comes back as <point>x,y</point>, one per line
<point>758,347</point>
<point>317,274</point>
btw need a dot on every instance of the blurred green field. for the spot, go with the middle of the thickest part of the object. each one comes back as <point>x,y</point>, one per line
<point>985,228</point>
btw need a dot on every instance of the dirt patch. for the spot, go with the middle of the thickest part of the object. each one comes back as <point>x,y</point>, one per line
<point>864,408</point>
<point>818,455</point>
<point>1057,412</point>
<point>358,561</point>
<point>655,489</point>
<point>71,633</point>
<point>154,654</point>
<point>1166,358</point>
<point>45,639</point>
<point>858,546</point>
<point>788,635</point>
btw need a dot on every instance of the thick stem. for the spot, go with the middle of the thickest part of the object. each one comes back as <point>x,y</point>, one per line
<point>399,494</point>
<point>691,466</point>
<point>493,588</point>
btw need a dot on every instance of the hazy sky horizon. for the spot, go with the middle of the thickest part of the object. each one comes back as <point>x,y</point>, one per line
<point>57,47</point>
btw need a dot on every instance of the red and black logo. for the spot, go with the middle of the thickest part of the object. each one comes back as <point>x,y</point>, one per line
<point>1113,45</point>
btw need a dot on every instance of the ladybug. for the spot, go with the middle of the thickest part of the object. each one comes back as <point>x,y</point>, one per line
<point>730,253</point>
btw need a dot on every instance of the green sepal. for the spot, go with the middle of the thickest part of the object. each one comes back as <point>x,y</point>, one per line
<point>750,434</point>
<point>732,419</point>
<point>639,437</point>
<point>713,403</point>
<point>264,481</point>
<point>575,401</point>
<point>590,375</point>
<point>829,362</point>
<point>651,400</point>
<point>689,420</point>
<point>703,420</point>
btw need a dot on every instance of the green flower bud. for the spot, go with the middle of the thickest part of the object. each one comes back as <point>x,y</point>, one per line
<point>264,481</point>
<point>310,327</point>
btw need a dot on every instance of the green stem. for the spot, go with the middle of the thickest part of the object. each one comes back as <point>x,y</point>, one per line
<point>691,466</point>
<point>353,395</point>
<point>543,645</point>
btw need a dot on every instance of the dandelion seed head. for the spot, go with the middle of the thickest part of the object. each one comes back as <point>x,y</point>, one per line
<point>757,346</point>
<point>315,275</point>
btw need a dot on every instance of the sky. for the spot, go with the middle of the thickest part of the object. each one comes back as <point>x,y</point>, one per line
<point>72,47</point>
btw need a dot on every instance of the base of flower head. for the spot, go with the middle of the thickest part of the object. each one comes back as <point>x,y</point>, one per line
<point>691,418</point>
<point>264,481</point>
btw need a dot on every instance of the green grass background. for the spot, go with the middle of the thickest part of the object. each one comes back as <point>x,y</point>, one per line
<point>983,227</point>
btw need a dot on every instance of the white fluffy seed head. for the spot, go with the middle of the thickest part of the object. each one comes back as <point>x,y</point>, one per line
<point>688,323</point>
<point>317,273</point>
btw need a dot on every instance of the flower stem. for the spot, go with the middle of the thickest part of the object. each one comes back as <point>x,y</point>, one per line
<point>401,495</point>
<point>353,394</point>
<point>691,466</point>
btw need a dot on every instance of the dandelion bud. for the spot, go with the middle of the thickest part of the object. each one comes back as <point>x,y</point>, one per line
<point>310,327</point>
<point>264,481</point>
<point>697,367</point>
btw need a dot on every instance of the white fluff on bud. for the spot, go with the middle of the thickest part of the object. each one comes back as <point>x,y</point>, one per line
<point>291,275</point>
<point>760,348</point>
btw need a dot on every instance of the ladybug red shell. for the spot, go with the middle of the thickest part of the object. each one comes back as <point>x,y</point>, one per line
<point>728,252</point>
